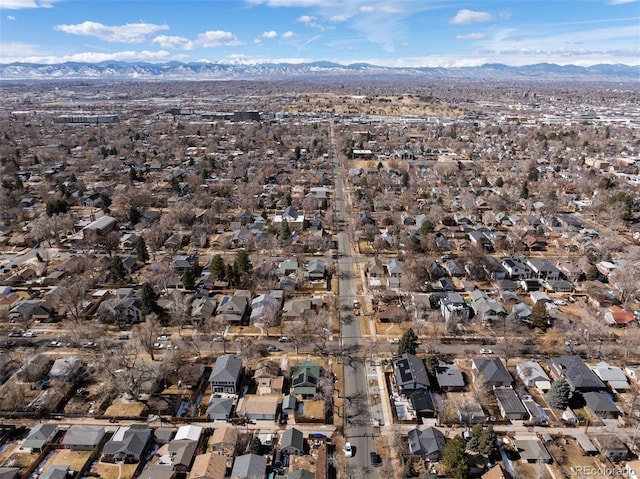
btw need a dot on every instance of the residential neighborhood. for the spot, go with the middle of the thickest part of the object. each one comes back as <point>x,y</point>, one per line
<point>224,280</point>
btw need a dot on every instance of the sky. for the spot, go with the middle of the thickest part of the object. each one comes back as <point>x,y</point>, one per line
<point>409,33</point>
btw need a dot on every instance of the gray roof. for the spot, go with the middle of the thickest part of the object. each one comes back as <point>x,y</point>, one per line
<point>9,472</point>
<point>40,435</point>
<point>509,401</point>
<point>531,372</point>
<point>426,442</point>
<point>128,441</point>
<point>83,435</point>
<point>249,466</point>
<point>532,450</point>
<point>449,375</point>
<point>58,471</point>
<point>408,370</point>
<point>600,402</point>
<point>492,370</point>
<point>226,369</point>
<point>579,376</point>
<point>220,407</point>
<point>292,438</point>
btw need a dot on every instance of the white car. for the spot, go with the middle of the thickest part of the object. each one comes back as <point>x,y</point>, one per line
<point>486,351</point>
<point>348,450</point>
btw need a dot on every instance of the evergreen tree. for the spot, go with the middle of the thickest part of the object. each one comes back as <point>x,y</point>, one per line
<point>524,191</point>
<point>149,299</point>
<point>483,439</point>
<point>242,262</point>
<point>56,206</point>
<point>426,227</point>
<point>105,202</point>
<point>255,446</point>
<point>188,279</point>
<point>559,393</point>
<point>117,271</point>
<point>408,342</point>
<point>454,458</point>
<point>142,253</point>
<point>285,231</point>
<point>593,273</point>
<point>134,215</point>
<point>217,268</point>
<point>539,317</point>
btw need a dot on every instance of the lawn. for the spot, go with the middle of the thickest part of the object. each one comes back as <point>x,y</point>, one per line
<point>76,460</point>
<point>122,408</point>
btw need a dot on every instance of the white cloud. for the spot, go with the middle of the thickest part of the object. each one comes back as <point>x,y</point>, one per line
<point>270,34</point>
<point>472,36</point>
<point>93,57</point>
<point>388,9</point>
<point>464,17</point>
<point>21,4</point>
<point>10,17</point>
<point>129,33</point>
<point>257,41</point>
<point>217,38</point>
<point>310,21</point>
<point>288,34</point>
<point>339,18</point>
<point>173,42</point>
<point>367,9</point>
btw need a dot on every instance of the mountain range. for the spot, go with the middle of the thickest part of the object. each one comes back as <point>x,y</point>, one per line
<point>113,70</point>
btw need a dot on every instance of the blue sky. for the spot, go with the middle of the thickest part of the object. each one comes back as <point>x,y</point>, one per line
<point>383,32</point>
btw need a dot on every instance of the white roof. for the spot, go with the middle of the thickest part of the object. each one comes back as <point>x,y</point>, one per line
<point>190,432</point>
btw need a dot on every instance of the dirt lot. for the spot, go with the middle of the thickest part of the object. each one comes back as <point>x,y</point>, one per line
<point>75,459</point>
<point>114,471</point>
<point>122,408</point>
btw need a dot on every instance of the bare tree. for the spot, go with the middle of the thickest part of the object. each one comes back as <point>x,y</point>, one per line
<point>147,333</point>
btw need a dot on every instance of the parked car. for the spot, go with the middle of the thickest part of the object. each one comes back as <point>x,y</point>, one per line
<point>54,344</point>
<point>219,339</point>
<point>29,334</point>
<point>273,348</point>
<point>283,339</point>
<point>15,334</point>
<point>375,459</point>
<point>486,351</point>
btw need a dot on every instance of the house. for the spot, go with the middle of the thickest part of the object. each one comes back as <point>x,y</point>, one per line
<point>532,450</point>
<point>537,414</point>
<point>612,376</point>
<point>128,443</point>
<point>120,310</point>
<point>66,369</point>
<point>490,373</point>
<point>423,403</point>
<point>611,447</point>
<point>428,443</point>
<point>579,376</point>
<point>543,269</point>
<point>292,442</point>
<point>454,308</point>
<point>226,374</point>
<point>410,373</point>
<point>265,372</point>
<point>29,309</point>
<point>516,268</point>
<point>289,404</point>
<point>485,307</point>
<point>471,413</point>
<point>532,375</point>
<point>99,228</point>
<point>190,374</point>
<point>249,466</point>
<point>208,466</point>
<point>220,408</point>
<point>81,437</point>
<point>510,405</point>
<point>201,310</point>
<point>616,316</point>
<point>288,266</point>
<point>178,454</point>
<point>296,307</point>
<point>265,307</point>
<point>449,377</point>
<point>394,268</point>
<point>40,436</point>
<point>57,471</point>
<point>315,270</point>
<point>496,472</point>
<point>9,472</point>
<point>304,378</point>
<point>599,403</point>
<point>232,308</point>
<point>224,441</point>
<point>258,408</point>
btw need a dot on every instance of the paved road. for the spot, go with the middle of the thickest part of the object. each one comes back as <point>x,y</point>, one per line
<point>358,429</point>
